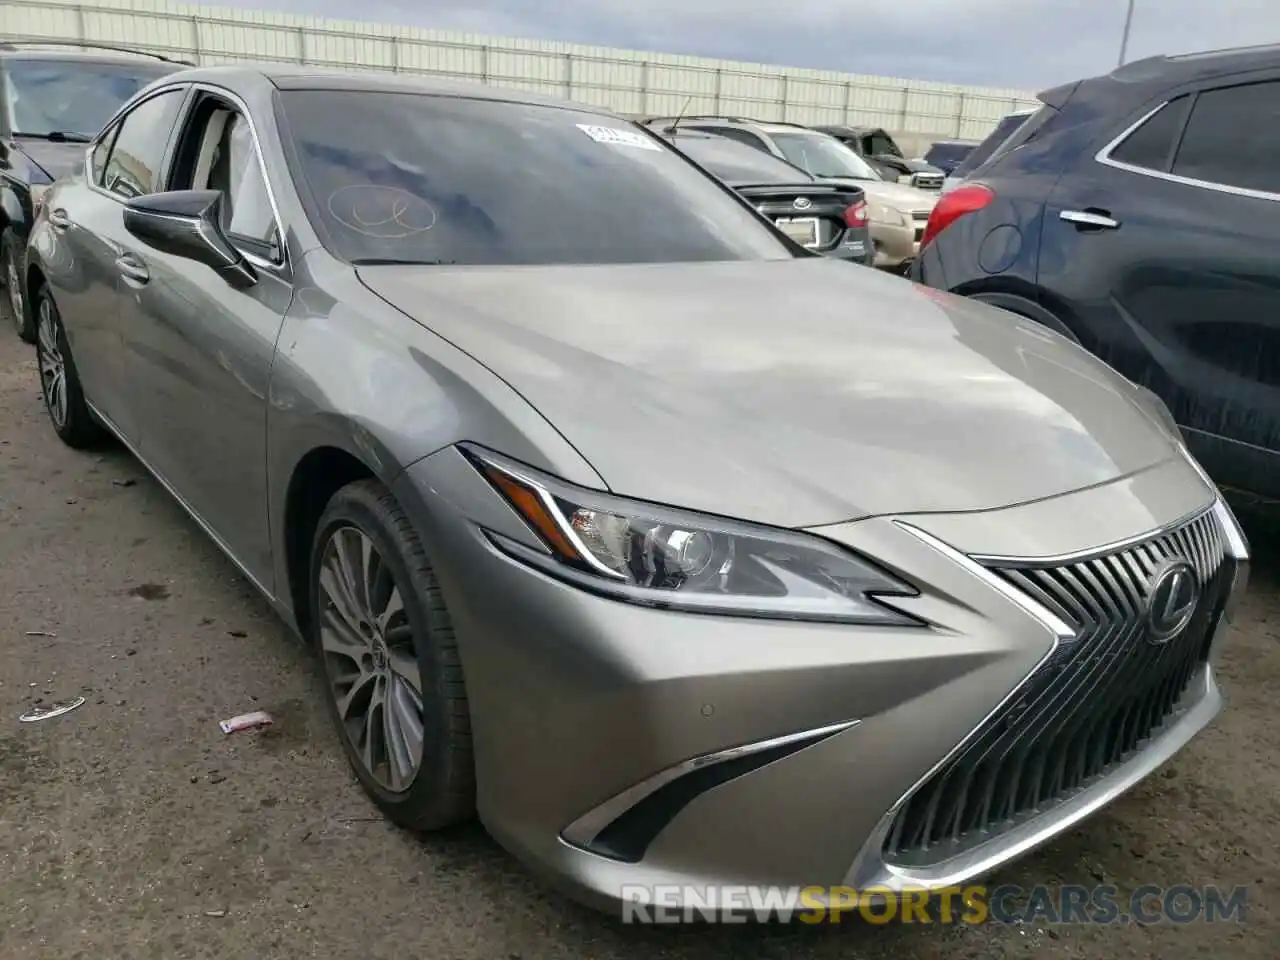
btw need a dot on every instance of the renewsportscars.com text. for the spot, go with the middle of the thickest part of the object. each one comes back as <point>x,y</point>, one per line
<point>1007,904</point>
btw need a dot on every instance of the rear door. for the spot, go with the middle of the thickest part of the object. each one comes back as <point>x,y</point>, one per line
<point>85,267</point>
<point>1161,252</point>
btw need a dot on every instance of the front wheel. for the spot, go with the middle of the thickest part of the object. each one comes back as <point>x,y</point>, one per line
<point>13,304</point>
<point>395,687</point>
<point>59,382</point>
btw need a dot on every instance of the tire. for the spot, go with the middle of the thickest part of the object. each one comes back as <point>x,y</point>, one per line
<point>418,640</point>
<point>11,313</point>
<point>60,386</point>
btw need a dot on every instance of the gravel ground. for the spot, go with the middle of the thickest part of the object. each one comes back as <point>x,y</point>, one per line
<point>133,828</point>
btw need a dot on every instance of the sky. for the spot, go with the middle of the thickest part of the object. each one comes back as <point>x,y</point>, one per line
<point>1023,44</point>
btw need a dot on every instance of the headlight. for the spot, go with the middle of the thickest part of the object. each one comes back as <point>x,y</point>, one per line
<point>662,557</point>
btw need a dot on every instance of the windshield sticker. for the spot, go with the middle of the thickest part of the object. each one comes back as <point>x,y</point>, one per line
<point>620,138</point>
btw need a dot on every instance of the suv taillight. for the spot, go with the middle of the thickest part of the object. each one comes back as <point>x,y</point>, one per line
<point>951,206</point>
<point>856,215</point>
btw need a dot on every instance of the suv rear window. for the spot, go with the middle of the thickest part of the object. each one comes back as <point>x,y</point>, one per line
<point>426,179</point>
<point>71,96</point>
<point>979,154</point>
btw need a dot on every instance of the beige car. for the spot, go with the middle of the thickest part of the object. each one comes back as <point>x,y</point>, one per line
<point>898,212</point>
<point>898,217</point>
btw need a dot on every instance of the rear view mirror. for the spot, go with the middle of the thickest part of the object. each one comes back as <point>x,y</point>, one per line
<point>187,223</point>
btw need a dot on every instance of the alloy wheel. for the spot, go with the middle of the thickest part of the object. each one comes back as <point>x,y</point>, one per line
<point>370,659</point>
<point>14,290</point>
<point>53,369</point>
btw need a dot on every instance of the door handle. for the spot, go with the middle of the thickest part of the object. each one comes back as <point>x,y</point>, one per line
<point>1086,219</point>
<point>131,268</point>
<point>58,219</point>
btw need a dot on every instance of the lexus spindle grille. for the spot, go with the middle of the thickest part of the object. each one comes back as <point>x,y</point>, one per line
<point>1094,703</point>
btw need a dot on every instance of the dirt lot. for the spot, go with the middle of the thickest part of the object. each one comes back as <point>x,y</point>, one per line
<point>133,828</point>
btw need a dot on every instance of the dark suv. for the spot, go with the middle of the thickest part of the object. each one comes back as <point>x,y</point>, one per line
<point>1139,214</point>
<point>52,103</point>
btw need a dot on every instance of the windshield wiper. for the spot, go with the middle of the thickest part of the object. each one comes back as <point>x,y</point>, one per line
<point>397,262</point>
<point>56,136</point>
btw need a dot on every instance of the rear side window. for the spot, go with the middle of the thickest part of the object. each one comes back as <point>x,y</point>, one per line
<point>1233,138</point>
<point>1151,145</point>
<point>438,180</point>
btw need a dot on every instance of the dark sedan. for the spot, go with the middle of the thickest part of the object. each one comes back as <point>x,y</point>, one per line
<point>53,103</point>
<point>826,218</point>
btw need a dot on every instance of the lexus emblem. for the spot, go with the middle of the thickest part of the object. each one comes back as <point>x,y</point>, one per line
<point>803,203</point>
<point>1175,590</point>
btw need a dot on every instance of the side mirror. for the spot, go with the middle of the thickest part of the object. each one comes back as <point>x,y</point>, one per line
<point>187,223</point>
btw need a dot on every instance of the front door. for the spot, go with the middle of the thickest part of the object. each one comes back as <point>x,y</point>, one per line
<point>203,349</point>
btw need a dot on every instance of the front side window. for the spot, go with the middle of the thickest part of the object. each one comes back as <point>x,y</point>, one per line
<point>235,172</point>
<point>880,145</point>
<point>1233,138</point>
<point>133,168</point>
<point>71,98</point>
<point>424,179</point>
<point>823,156</point>
<point>98,160</point>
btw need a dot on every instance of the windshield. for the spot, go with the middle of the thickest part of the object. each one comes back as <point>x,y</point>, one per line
<point>71,96</point>
<point>823,156</point>
<point>738,163</point>
<point>414,178</point>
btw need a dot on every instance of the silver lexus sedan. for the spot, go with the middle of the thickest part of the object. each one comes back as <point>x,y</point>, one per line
<point>675,553</point>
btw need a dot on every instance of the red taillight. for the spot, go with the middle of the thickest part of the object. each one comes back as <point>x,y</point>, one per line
<point>856,215</point>
<point>954,205</point>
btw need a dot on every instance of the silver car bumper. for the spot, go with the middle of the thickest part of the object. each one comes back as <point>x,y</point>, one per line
<point>620,747</point>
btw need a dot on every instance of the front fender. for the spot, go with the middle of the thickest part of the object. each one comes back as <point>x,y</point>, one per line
<point>353,373</point>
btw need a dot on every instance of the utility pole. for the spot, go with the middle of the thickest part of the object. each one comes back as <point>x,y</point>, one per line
<point>1124,39</point>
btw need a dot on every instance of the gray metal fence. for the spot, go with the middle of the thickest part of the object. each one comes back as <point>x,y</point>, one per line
<point>630,82</point>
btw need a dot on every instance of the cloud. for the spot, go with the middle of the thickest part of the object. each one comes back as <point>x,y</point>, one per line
<point>1023,44</point>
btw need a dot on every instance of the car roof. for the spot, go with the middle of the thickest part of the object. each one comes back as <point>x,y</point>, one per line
<point>299,77</point>
<point>848,128</point>
<point>1141,79</point>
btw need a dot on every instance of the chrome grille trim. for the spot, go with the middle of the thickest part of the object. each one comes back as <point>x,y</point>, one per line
<point>1097,701</point>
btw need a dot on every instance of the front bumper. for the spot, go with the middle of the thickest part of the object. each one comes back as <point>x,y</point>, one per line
<point>584,709</point>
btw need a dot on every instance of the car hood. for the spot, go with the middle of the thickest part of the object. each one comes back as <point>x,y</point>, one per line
<point>795,392</point>
<point>900,196</point>
<point>55,159</point>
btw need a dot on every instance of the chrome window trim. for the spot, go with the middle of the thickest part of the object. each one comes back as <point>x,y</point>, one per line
<point>1103,157</point>
<point>243,108</point>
